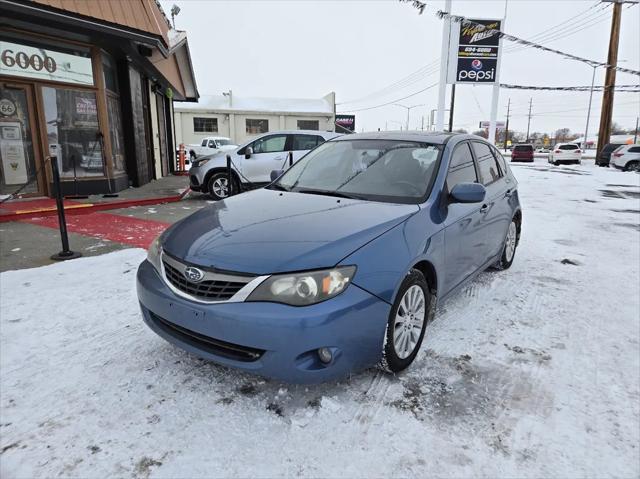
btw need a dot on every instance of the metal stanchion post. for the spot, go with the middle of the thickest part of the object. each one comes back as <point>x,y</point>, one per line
<point>66,253</point>
<point>229,176</point>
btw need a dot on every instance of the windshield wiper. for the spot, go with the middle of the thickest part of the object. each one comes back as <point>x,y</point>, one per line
<point>329,193</point>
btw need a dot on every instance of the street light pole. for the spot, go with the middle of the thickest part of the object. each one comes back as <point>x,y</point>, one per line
<point>408,108</point>
<point>586,128</point>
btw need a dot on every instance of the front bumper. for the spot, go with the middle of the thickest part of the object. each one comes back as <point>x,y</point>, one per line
<point>270,339</point>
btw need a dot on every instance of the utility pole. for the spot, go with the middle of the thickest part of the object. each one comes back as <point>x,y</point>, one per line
<point>610,78</point>
<point>506,127</point>
<point>635,137</point>
<point>444,64</point>
<point>529,121</point>
<point>586,128</point>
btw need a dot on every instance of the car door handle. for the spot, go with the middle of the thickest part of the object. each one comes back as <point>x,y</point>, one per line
<point>278,158</point>
<point>484,208</point>
<point>508,194</point>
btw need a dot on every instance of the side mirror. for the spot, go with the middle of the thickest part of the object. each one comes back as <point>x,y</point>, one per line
<point>248,152</point>
<point>275,174</point>
<point>468,193</point>
<point>213,146</point>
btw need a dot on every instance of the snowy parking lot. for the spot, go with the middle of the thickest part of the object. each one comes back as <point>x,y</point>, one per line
<point>530,372</point>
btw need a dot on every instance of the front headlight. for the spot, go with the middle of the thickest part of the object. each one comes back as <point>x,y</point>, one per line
<point>153,254</point>
<point>302,289</point>
<point>200,163</point>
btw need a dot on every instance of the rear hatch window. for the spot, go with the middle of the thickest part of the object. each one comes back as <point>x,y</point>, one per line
<point>522,148</point>
<point>568,147</point>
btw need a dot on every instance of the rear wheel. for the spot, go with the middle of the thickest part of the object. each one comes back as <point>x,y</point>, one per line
<point>633,166</point>
<point>407,323</point>
<point>509,248</point>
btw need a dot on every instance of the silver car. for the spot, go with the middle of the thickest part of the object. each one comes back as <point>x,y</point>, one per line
<point>253,161</point>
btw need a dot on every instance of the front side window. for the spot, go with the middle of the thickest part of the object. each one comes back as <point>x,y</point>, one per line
<point>255,127</point>
<point>204,142</point>
<point>308,124</point>
<point>269,144</point>
<point>306,142</point>
<point>376,170</point>
<point>489,169</point>
<point>205,125</point>
<point>461,168</point>
<point>212,143</point>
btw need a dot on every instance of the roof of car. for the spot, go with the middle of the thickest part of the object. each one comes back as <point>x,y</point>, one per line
<point>436,137</point>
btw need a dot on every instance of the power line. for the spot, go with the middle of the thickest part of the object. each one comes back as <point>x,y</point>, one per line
<point>392,101</point>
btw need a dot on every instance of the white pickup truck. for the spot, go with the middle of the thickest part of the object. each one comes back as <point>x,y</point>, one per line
<point>210,145</point>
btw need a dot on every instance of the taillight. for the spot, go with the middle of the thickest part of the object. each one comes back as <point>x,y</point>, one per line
<point>557,151</point>
<point>617,155</point>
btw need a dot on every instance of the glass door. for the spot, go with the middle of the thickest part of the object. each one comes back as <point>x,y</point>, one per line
<point>19,151</point>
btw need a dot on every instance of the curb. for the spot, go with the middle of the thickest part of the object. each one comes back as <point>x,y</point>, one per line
<point>86,208</point>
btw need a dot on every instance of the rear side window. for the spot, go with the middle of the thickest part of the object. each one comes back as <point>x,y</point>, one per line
<point>500,159</point>
<point>634,149</point>
<point>568,147</point>
<point>487,164</point>
<point>461,169</point>
<point>306,142</point>
<point>212,144</point>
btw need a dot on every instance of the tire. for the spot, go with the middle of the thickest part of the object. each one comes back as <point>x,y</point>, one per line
<point>509,248</point>
<point>218,186</point>
<point>398,354</point>
<point>633,166</point>
<point>557,163</point>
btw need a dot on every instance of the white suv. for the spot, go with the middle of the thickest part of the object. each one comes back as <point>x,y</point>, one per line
<point>253,161</point>
<point>626,157</point>
<point>565,153</point>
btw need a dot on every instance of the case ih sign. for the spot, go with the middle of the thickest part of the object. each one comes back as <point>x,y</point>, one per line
<point>475,51</point>
<point>345,122</point>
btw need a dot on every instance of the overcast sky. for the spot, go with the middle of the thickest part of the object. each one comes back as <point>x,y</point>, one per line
<point>305,49</point>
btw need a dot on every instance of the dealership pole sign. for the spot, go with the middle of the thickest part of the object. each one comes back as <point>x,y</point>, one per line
<point>346,122</point>
<point>474,52</point>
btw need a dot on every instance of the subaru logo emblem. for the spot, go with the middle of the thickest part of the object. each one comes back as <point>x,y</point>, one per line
<point>193,274</point>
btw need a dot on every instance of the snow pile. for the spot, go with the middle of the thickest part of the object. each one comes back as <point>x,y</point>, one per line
<point>532,372</point>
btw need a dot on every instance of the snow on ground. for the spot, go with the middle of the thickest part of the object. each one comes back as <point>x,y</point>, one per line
<point>530,372</point>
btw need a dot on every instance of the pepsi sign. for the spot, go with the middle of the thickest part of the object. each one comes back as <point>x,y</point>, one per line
<point>475,57</point>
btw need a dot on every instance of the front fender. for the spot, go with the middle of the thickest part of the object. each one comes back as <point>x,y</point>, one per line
<point>385,261</point>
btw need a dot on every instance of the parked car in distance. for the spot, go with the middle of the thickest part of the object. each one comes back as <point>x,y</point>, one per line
<point>253,161</point>
<point>604,158</point>
<point>542,150</point>
<point>522,153</point>
<point>565,153</point>
<point>210,145</point>
<point>337,265</point>
<point>626,157</point>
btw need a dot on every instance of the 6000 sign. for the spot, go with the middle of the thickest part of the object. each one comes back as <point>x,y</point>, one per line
<point>24,61</point>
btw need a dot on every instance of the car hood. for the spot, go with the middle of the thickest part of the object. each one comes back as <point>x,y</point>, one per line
<point>267,231</point>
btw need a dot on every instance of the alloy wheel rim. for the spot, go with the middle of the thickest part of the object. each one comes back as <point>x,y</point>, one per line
<point>221,187</point>
<point>634,167</point>
<point>409,322</point>
<point>510,246</point>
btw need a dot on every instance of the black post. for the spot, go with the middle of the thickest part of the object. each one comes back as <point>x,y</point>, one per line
<point>290,159</point>
<point>452,107</point>
<point>229,177</point>
<point>66,253</point>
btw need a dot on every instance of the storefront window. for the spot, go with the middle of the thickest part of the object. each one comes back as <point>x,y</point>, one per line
<point>72,131</point>
<point>17,161</point>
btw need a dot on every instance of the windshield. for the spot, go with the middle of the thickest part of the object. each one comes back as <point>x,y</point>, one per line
<point>224,142</point>
<point>376,170</point>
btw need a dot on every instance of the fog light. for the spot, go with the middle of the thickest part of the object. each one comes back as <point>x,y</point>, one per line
<point>325,355</point>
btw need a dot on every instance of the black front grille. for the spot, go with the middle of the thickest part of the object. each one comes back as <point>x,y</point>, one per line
<point>208,290</point>
<point>207,344</point>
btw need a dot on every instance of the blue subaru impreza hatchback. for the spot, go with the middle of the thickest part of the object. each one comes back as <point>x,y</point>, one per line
<point>337,265</point>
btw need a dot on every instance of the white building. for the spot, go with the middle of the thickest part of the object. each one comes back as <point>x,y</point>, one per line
<point>240,118</point>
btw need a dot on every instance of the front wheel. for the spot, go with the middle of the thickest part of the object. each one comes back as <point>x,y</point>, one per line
<point>219,186</point>
<point>407,323</point>
<point>509,248</point>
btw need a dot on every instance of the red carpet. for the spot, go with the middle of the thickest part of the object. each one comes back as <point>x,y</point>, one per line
<point>121,229</point>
